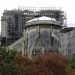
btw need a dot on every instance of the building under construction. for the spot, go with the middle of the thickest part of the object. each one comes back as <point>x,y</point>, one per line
<point>13,22</point>
<point>41,36</point>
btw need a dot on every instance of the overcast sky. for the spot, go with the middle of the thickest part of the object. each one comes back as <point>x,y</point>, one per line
<point>67,5</point>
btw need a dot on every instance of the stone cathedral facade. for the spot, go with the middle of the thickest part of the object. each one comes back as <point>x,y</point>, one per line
<point>41,35</point>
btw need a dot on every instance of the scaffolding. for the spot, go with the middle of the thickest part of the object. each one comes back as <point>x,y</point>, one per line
<point>21,15</point>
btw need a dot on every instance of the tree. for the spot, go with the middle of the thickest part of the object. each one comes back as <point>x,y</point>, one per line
<point>72,62</point>
<point>71,72</point>
<point>12,63</point>
<point>51,64</point>
<point>7,64</point>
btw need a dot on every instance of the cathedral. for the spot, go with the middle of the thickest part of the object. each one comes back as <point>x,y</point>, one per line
<point>41,35</point>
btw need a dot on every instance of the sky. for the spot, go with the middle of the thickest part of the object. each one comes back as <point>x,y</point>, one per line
<point>66,5</point>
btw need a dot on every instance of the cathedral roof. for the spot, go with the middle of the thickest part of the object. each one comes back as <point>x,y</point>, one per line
<point>42,20</point>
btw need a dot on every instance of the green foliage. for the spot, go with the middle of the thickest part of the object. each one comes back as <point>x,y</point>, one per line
<point>72,62</point>
<point>12,63</point>
<point>8,66</point>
